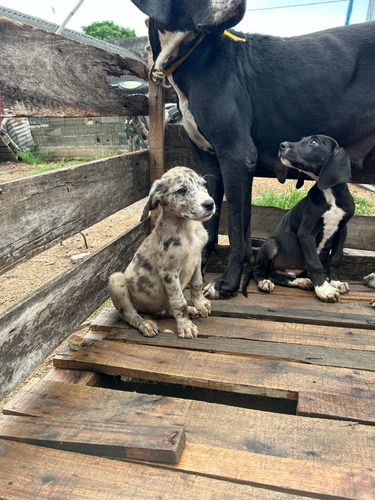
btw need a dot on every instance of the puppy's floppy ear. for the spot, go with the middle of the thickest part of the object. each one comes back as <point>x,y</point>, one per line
<point>153,200</point>
<point>281,172</point>
<point>336,170</point>
<point>157,9</point>
<point>301,180</point>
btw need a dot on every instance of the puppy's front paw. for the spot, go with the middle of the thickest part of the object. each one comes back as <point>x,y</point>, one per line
<point>340,287</point>
<point>148,328</point>
<point>203,308</point>
<point>266,286</point>
<point>187,330</point>
<point>369,280</point>
<point>372,303</point>
<point>327,293</point>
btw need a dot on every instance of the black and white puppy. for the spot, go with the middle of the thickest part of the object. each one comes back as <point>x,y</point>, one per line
<point>312,234</point>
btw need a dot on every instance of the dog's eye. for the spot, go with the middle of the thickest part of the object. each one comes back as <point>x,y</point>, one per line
<point>181,191</point>
<point>313,142</point>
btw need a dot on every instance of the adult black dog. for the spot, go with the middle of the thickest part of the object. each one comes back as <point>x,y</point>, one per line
<point>241,96</point>
<point>313,232</point>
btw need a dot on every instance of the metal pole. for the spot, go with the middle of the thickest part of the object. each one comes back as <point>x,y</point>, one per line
<point>67,19</point>
<point>349,12</point>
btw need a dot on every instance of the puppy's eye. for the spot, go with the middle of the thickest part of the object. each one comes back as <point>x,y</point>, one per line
<point>313,142</point>
<point>181,191</point>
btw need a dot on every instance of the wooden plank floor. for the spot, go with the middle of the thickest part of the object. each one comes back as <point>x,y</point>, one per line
<point>274,400</point>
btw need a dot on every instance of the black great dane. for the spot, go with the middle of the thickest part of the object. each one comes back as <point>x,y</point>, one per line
<point>242,95</point>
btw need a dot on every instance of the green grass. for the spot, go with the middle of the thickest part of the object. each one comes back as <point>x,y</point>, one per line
<point>288,199</point>
<point>43,163</point>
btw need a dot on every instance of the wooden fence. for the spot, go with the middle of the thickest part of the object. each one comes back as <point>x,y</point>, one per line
<point>48,75</point>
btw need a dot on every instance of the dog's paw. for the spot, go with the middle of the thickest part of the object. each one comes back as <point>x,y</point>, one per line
<point>340,286</point>
<point>266,286</point>
<point>202,308</point>
<point>187,330</point>
<point>211,292</point>
<point>148,328</point>
<point>372,303</point>
<point>369,280</point>
<point>327,293</point>
<point>302,283</point>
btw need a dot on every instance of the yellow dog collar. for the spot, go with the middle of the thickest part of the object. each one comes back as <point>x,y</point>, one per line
<point>234,37</point>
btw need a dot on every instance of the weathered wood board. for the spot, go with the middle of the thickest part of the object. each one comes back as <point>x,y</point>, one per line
<point>43,74</point>
<point>264,221</point>
<point>104,439</point>
<point>28,472</point>
<point>287,453</point>
<point>35,326</point>
<point>247,375</point>
<point>39,211</point>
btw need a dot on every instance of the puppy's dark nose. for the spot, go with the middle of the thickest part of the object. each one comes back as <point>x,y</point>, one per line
<point>208,205</point>
<point>283,146</point>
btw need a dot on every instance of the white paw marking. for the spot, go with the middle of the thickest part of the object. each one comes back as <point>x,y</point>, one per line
<point>341,287</point>
<point>369,280</point>
<point>210,291</point>
<point>327,293</point>
<point>303,283</point>
<point>266,286</point>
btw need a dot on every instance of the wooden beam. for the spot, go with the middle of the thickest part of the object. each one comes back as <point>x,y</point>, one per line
<point>43,75</point>
<point>104,439</point>
<point>156,136</point>
<point>36,325</point>
<point>264,220</point>
<point>39,211</point>
<point>28,472</point>
<point>199,369</point>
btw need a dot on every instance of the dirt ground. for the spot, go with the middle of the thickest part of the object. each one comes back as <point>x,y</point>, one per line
<point>27,277</point>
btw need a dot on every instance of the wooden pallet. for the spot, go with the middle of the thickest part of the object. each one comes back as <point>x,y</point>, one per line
<point>71,435</point>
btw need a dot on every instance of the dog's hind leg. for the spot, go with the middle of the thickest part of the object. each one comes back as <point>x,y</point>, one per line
<point>263,265</point>
<point>119,292</point>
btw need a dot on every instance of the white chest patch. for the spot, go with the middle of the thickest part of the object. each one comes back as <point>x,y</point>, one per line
<point>188,120</point>
<point>331,218</point>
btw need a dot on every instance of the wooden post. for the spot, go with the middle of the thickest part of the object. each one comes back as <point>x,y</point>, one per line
<point>156,136</point>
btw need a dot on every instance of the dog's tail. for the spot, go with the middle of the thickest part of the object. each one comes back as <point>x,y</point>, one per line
<point>246,282</point>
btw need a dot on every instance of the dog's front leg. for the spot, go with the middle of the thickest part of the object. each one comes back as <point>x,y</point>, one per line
<point>324,290</point>
<point>178,305</point>
<point>237,184</point>
<point>201,305</point>
<point>210,170</point>
<point>334,261</point>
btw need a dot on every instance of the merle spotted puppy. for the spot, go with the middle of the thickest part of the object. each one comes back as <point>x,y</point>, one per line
<point>169,258</point>
<point>312,234</point>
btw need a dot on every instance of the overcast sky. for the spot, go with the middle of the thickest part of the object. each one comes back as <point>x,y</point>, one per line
<point>283,21</point>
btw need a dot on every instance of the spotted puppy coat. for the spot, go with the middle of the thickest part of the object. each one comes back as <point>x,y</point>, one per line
<point>169,258</point>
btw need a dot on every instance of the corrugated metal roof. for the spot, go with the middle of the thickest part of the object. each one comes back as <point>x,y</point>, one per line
<point>73,35</point>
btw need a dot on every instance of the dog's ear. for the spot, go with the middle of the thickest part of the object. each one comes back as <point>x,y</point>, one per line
<point>153,200</point>
<point>156,9</point>
<point>300,180</point>
<point>281,172</point>
<point>336,170</point>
